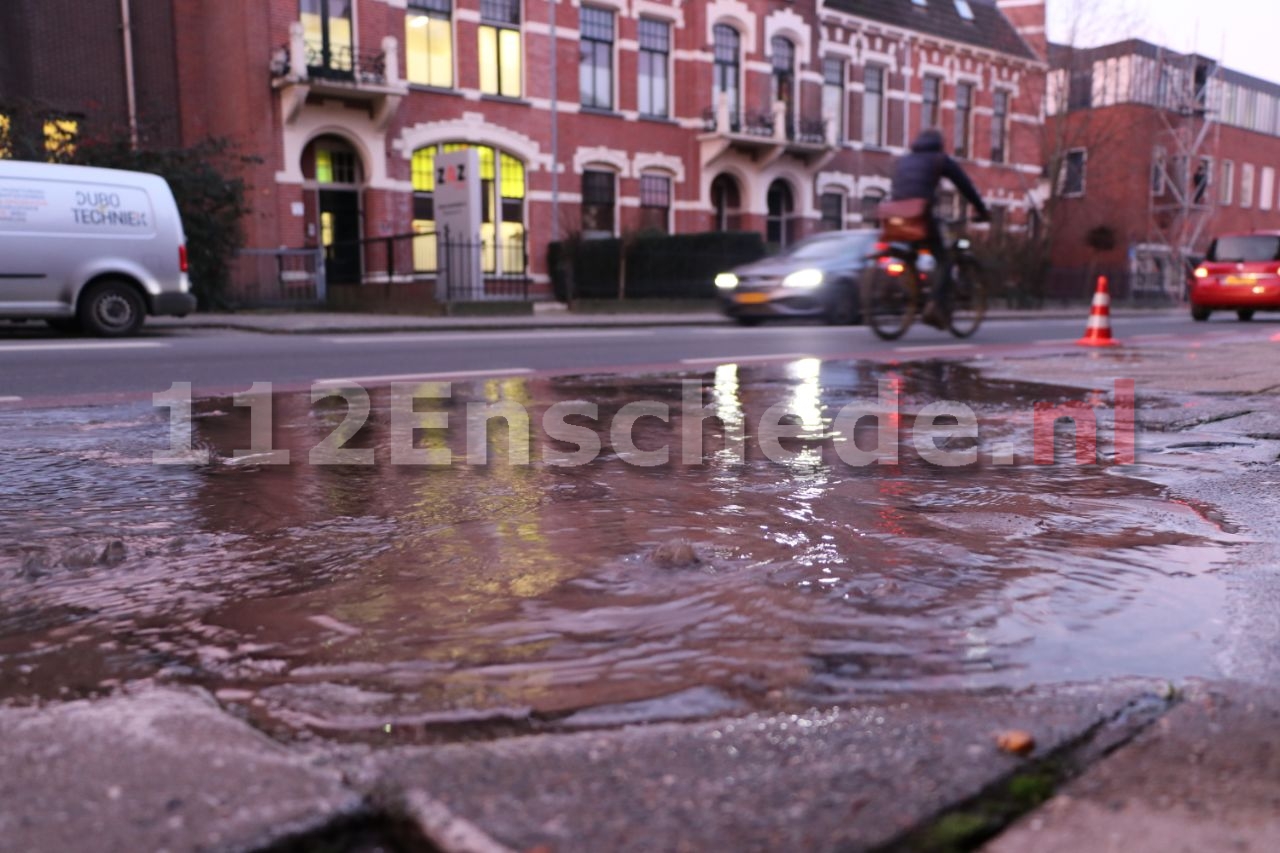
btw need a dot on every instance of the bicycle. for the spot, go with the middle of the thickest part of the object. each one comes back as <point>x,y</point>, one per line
<point>895,287</point>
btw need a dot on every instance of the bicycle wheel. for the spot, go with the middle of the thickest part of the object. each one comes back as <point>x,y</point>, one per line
<point>969,297</point>
<point>889,301</point>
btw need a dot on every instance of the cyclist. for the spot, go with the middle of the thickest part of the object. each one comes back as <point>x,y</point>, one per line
<point>916,177</point>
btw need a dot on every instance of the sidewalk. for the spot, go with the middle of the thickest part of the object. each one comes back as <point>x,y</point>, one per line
<point>552,315</point>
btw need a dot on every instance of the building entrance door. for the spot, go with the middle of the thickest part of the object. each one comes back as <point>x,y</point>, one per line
<point>340,235</point>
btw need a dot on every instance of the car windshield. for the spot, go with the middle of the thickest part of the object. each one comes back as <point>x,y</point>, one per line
<point>1255,247</point>
<point>830,245</point>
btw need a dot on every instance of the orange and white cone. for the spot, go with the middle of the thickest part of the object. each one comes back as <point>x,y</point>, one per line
<point>1098,332</point>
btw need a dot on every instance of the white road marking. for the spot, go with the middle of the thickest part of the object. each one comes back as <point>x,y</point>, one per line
<point>81,346</point>
<point>550,336</point>
<point>10,399</point>
<point>739,359</point>
<point>442,376</point>
<point>936,347</point>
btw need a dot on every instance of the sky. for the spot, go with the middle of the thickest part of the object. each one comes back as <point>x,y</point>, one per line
<point>1242,33</point>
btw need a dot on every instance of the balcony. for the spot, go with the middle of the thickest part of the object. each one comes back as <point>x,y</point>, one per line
<point>766,136</point>
<point>300,70</point>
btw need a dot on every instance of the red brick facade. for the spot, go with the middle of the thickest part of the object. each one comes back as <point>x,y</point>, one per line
<point>240,73</point>
<point>1143,142</point>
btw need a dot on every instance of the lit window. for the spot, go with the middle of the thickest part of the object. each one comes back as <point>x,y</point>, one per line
<point>501,56</point>
<point>833,95</point>
<point>655,203</point>
<point>655,51</point>
<point>428,42</point>
<point>60,138</point>
<point>6,147</point>
<point>598,196</point>
<point>595,58</point>
<point>964,10</point>
<point>502,196</point>
<point>326,27</point>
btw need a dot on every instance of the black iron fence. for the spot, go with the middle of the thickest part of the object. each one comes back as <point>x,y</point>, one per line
<point>491,267</point>
<point>277,278</point>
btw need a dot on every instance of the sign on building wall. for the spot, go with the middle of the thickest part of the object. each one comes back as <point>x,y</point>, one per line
<point>457,208</point>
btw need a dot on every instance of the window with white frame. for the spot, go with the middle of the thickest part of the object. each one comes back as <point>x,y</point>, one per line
<point>930,100</point>
<point>1226,196</point>
<point>873,105</point>
<point>599,198</point>
<point>1266,186</point>
<point>1157,172</point>
<point>595,57</point>
<point>1073,169</point>
<point>964,119</point>
<point>833,95</point>
<point>1201,181</point>
<point>728,69</point>
<point>655,203</point>
<point>1246,185</point>
<point>654,60</point>
<point>831,205</point>
<point>428,43</point>
<point>501,52</point>
<point>999,126</point>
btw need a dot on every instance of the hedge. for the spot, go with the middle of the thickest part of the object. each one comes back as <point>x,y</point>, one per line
<point>680,266</point>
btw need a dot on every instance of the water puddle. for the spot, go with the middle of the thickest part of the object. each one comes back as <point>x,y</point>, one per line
<point>445,601</point>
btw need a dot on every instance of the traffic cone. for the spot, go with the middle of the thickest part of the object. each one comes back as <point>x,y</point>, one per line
<point>1098,332</point>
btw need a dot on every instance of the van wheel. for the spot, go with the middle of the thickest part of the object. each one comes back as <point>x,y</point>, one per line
<point>1200,314</point>
<point>111,309</point>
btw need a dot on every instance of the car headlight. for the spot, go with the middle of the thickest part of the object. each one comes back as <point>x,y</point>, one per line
<point>726,281</point>
<point>803,278</point>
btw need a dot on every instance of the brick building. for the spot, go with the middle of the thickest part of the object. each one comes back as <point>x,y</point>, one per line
<point>1154,153</point>
<point>593,118</point>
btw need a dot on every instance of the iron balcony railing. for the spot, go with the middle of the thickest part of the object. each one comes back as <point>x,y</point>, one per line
<point>338,63</point>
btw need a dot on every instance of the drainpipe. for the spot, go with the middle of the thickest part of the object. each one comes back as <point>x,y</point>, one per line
<point>555,128</point>
<point>130,88</point>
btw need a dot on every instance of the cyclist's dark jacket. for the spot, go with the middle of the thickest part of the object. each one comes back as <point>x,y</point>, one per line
<point>918,173</point>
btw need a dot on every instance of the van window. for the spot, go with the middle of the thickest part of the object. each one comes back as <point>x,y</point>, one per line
<point>1250,248</point>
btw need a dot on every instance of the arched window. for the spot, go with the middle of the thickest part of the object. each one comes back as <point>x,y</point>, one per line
<point>871,199</point>
<point>728,70</point>
<point>781,207</point>
<point>726,200</point>
<point>502,207</point>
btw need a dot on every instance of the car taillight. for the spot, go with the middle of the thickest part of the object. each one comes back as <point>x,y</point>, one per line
<point>1201,272</point>
<point>182,257</point>
<point>896,269</point>
<point>882,247</point>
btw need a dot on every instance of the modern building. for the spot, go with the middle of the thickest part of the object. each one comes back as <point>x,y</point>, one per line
<point>1154,152</point>
<point>600,117</point>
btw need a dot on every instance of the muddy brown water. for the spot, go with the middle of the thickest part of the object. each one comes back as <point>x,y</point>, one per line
<point>363,602</point>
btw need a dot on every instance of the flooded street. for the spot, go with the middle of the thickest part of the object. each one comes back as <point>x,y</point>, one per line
<point>435,602</point>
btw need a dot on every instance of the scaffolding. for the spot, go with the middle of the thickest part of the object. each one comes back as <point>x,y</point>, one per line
<point>1183,193</point>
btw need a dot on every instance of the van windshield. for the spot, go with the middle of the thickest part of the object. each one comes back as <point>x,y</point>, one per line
<point>1254,247</point>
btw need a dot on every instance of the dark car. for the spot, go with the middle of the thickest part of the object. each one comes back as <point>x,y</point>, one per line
<point>1241,272</point>
<point>817,277</point>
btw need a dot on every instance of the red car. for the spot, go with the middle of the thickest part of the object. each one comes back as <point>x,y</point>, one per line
<point>1241,272</point>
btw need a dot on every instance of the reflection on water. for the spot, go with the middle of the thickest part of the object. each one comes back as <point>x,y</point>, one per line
<point>348,598</point>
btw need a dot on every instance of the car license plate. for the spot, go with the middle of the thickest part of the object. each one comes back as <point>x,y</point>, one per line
<point>1241,279</point>
<point>751,298</point>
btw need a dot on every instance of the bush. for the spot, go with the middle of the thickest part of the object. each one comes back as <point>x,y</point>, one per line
<point>659,266</point>
<point>211,200</point>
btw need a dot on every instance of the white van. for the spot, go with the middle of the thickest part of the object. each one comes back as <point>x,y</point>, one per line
<point>90,249</point>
